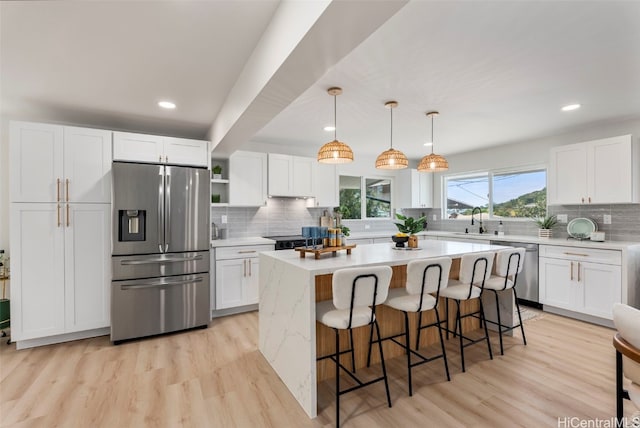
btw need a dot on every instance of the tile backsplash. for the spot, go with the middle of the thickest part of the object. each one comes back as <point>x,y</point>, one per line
<point>286,216</point>
<point>625,221</point>
<point>282,216</point>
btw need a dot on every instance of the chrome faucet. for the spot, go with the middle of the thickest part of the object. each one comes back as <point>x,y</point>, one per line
<point>473,212</point>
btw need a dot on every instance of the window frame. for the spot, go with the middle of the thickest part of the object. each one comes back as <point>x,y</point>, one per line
<point>490,173</point>
<point>363,196</point>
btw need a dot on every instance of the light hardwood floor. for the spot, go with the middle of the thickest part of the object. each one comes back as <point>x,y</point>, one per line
<point>216,377</point>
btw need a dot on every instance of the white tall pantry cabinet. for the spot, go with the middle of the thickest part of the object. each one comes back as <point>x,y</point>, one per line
<point>60,232</point>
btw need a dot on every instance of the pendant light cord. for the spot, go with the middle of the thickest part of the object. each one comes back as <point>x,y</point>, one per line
<point>335,116</point>
<point>432,142</point>
<point>391,111</point>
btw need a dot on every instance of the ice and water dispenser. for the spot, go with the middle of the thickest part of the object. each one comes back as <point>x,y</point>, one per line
<point>132,225</point>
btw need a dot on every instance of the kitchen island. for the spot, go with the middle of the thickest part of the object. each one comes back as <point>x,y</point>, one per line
<point>291,285</point>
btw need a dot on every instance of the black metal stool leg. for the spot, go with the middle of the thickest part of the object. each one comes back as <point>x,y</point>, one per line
<point>384,368</point>
<point>353,355</point>
<point>444,353</point>
<point>337,378</point>
<point>418,336</point>
<point>408,349</point>
<point>486,331</point>
<point>446,309</point>
<point>495,293</point>
<point>459,323</point>
<point>515,297</point>
<point>370,344</point>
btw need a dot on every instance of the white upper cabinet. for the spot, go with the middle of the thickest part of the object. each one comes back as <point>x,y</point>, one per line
<point>52,163</point>
<point>156,149</point>
<point>414,189</point>
<point>327,192</point>
<point>596,172</point>
<point>248,179</point>
<point>291,175</point>
<point>181,151</point>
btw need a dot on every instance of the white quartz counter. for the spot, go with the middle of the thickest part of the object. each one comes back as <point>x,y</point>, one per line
<point>607,245</point>
<point>233,242</point>
<point>377,254</point>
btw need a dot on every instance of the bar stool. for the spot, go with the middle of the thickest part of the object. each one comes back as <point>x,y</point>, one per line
<point>356,292</point>
<point>423,277</point>
<point>475,268</point>
<point>509,264</point>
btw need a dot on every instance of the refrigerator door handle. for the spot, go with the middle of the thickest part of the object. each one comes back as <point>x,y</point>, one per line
<point>156,284</point>
<point>154,261</point>
<point>167,210</point>
<point>160,208</point>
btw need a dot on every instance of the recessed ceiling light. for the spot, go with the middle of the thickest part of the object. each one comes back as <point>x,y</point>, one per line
<point>428,143</point>
<point>571,107</point>
<point>167,104</point>
<point>329,128</point>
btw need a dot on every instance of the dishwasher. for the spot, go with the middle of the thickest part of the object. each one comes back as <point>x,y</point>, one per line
<point>527,282</point>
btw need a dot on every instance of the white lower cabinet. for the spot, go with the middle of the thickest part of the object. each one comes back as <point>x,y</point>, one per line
<point>582,280</point>
<point>237,275</point>
<point>60,265</point>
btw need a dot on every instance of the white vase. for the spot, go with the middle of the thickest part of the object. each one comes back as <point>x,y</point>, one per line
<point>545,233</point>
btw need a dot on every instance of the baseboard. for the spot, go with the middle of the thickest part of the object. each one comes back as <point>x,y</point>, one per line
<point>232,311</point>
<point>577,315</point>
<point>60,338</point>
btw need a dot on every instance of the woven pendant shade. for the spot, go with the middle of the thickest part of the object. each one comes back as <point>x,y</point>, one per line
<point>392,159</point>
<point>433,163</point>
<point>335,152</point>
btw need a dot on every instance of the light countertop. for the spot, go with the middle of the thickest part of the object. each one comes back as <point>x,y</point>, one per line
<point>377,254</point>
<point>234,242</point>
<point>607,245</point>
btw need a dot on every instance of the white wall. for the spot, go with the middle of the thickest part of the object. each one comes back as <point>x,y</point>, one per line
<point>534,152</point>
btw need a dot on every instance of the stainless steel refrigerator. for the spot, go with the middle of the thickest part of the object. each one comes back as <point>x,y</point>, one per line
<point>160,258</point>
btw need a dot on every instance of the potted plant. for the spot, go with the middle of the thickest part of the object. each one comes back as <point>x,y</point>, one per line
<point>217,172</point>
<point>409,226</point>
<point>345,232</point>
<point>545,224</point>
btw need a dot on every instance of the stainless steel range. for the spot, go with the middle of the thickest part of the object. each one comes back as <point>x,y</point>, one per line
<point>160,259</point>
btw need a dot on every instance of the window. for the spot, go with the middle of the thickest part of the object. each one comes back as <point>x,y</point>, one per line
<point>513,194</point>
<point>376,202</point>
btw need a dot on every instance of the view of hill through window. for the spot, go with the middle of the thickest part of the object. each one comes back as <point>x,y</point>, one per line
<point>521,194</point>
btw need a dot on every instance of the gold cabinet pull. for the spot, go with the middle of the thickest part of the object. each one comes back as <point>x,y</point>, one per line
<point>58,191</point>
<point>576,254</point>
<point>589,199</point>
<point>67,183</point>
<point>68,222</point>
<point>571,271</point>
<point>58,212</point>
<point>578,271</point>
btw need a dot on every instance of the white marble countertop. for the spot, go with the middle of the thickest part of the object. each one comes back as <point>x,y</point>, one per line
<point>234,242</point>
<point>607,245</point>
<point>377,254</point>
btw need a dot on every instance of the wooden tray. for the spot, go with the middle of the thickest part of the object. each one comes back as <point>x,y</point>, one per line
<point>318,252</point>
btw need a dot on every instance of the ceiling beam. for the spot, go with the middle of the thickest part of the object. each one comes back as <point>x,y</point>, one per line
<point>302,42</point>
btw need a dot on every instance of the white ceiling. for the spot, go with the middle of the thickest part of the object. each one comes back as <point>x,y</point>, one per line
<point>497,71</point>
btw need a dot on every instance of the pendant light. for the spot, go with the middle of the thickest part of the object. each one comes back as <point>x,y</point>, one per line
<point>433,162</point>
<point>392,158</point>
<point>335,151</point>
